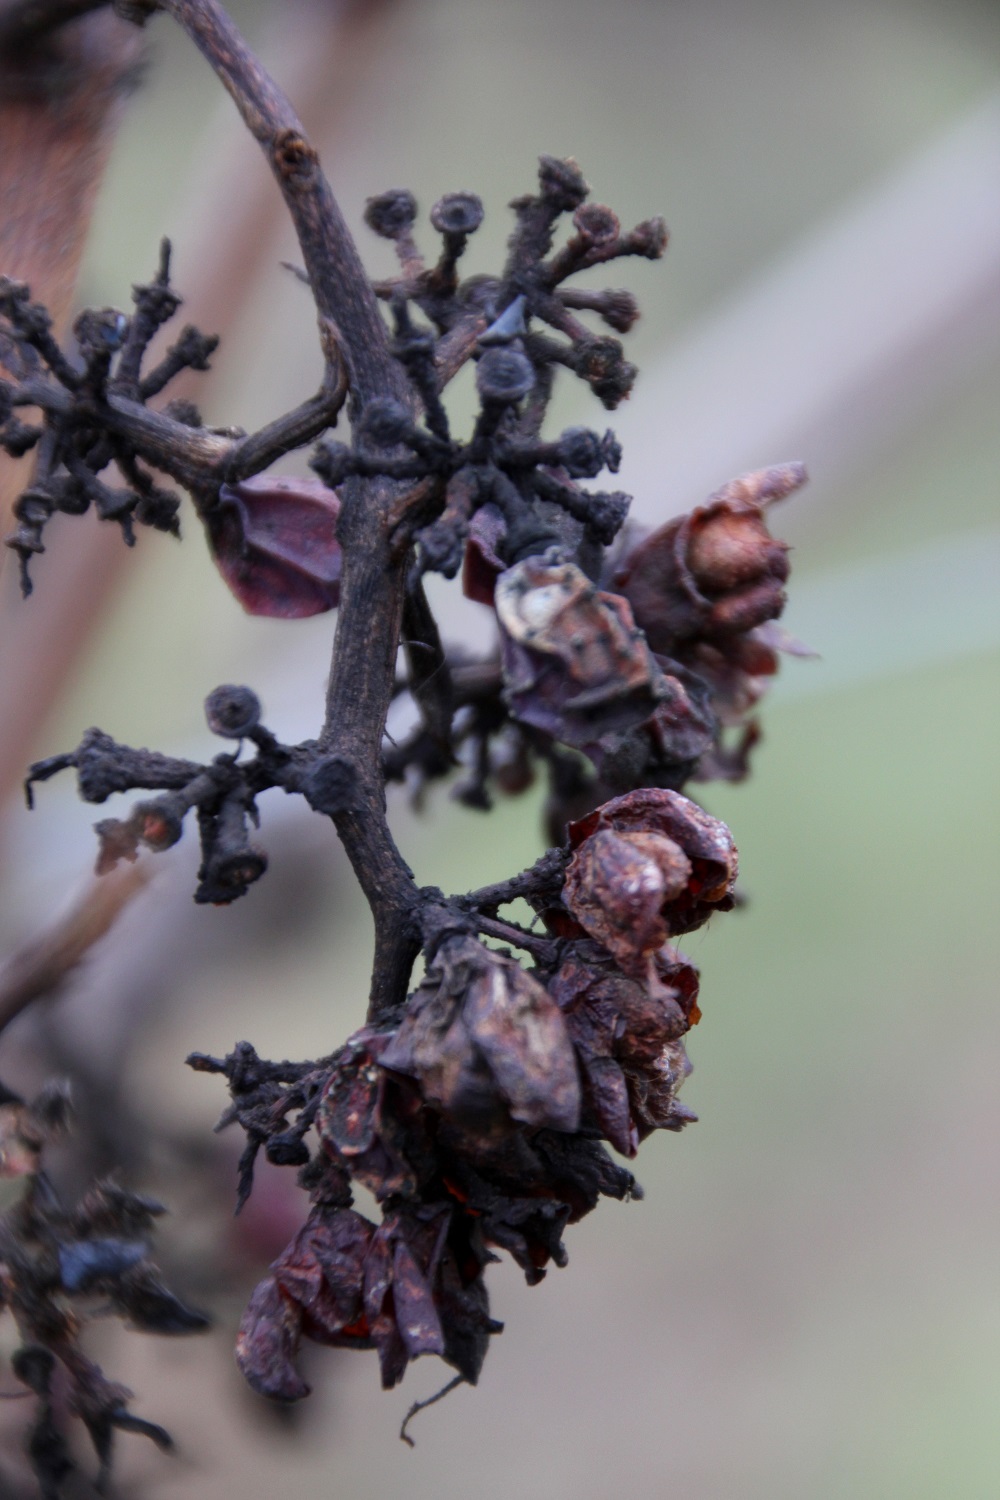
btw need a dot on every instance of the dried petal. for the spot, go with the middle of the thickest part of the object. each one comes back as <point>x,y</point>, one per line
<point>416,1316</point>
<point>715,572</point>
<point>322,1270</point>
<point>647,865</point>
<point>574,664</point>
<point>485,1039</point>
<point>268,1341</point>
<point>628,1037</point>
<point>619,885</point>
<point>274,542</point>
<point>520,1032</point>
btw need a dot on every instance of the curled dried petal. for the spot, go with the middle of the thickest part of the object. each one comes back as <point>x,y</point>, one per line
<point>716,572</point>
<point>630,892</point>
<point>274,542</point>
<point>485,1040</point>
<point>268,1341</point>
<point>574,663</point>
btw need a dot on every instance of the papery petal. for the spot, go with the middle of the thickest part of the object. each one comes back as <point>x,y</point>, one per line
<point>274,542</point>
<point>268,1341</point>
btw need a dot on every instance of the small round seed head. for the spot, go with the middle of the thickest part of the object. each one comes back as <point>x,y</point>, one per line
<point>232,712</point>
<point>596,224</point>
<point>391,214</point>
<point>457,213</point>
<point>385,422</point>
<point>561,182</point>
<point>503,375</point>
<point>159,824</point>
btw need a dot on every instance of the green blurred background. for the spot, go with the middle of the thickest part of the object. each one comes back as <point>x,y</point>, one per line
<point>805,1306</point>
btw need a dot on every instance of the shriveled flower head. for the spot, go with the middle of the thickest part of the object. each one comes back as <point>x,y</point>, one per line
<point>716,572</point>
<point>647,866</point>
<point>486,1042</point>
<point>628,1036</point>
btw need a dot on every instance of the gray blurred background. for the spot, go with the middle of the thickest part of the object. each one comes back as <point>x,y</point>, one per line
<point>805,1306</point>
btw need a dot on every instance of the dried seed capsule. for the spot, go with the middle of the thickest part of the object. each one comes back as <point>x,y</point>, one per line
<point>562,183</point>
<point>160,822</point>
<point>457,213</point>
<point>232,712</point>
<point>392,213</point>
<point>596,224</point>
<point>386,422</point>
<point>504,376</point>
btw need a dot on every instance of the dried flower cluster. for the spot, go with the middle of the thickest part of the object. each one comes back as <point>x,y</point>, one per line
<point>60,1266</point>
<point>474,1106</point>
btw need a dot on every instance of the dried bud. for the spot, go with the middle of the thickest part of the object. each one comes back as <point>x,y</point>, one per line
<point>159,822</point>
<point>561,182</point>
<point>647,865</point>
<point>229,862</point>
<point>232,712</point>
<point>457,213</point>
<point>486,1041</point>
<point>274,542</point>
<point>583,454</point>
<point>392,213</point>
<point>649,238</point>
<point>618,308</point>
<point>100,331</point>
<point>503,376</point>
<point>596,224</point>
<point>386,422</point>
<point>601,362</point>
<point>716,572</point>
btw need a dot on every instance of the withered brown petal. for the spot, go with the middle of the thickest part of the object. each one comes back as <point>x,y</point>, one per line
<point>416,1316</point>
<point>323,1268</point>
<point>706,841</point>
<point>274,541</point>
<point>521,1032</point>
<point>574,663</point>
<point>617,885</point>
<point>267,1342</point>
<point>608,1097</point>
<point>433,1044</point>
<point>346,1116</point>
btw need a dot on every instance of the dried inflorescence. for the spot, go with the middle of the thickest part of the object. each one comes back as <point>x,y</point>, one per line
<point>59,1266</point>
<point>474,1106</point>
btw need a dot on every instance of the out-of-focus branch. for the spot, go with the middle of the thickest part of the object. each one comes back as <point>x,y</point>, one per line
<point>38,969</point>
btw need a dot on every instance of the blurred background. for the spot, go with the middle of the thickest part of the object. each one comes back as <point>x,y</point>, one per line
<point>806,1303</point>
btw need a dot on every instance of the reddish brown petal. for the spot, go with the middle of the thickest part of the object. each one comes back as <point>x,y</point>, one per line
<point>482,563</point>
<point>346,1116</point>
<point>322,1270</point>
<point>433,1045</point>
<point>267,1342</point>
<point>716,571</point>
<point>416,1316</point>
<point>574,664</point>
<point>519,1029</point>
<point>607,1095</point>
<point>617,885</point>
<point>705,840</point>
<point>274,542</point>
